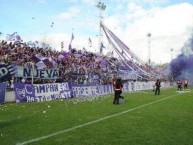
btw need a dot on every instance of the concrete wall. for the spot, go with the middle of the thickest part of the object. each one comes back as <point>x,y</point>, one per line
<point>10,96</point>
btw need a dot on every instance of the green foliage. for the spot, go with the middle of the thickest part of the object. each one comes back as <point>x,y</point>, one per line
<point>147,120</point>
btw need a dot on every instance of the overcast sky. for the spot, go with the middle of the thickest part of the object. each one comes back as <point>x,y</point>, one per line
<point>170,23</point>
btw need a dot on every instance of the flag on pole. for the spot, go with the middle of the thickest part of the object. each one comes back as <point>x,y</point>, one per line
<point>102,46</point>
<point>70,47</point>
<point>62,45</point>
<point>84,50</point>
<point>148,34</point>
<point>11,37</point>
<point>89,42</point>
<point>72,38</point>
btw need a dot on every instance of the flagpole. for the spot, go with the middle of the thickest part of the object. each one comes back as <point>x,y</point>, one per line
<point>101,6</point>
<point>149,51</point>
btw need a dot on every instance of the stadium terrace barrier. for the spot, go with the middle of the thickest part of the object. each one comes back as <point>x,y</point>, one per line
<point>55,91</point>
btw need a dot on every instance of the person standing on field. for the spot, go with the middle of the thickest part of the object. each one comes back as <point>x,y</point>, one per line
<point>118,90</point>
<point>179,83</point>
<point>185,84</point>
<point>157,87</point>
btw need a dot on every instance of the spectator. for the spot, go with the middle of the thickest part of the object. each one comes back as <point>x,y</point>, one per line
<point>157,87</point>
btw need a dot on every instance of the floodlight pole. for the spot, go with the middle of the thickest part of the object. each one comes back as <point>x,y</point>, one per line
<point>101,6</point>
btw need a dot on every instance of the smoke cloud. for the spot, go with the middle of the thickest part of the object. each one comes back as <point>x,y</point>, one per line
<point>182,67</point>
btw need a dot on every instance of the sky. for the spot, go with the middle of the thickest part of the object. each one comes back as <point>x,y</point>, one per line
<point>170,23</point>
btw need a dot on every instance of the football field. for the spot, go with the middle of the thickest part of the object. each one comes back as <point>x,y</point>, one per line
<point>143,119</point>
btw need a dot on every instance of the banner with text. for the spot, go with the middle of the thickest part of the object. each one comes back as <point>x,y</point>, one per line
<point>91,90</point>
<point>7,70</point>
<point>37,73</point>
<point>55,91</point>
<point>42,92</point>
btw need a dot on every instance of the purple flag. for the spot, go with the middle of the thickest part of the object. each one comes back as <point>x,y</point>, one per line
<point>35,59</point>
<point>65,54</point>
<point>18,38</point>
<point>11,37</point>
<point>48,63</point>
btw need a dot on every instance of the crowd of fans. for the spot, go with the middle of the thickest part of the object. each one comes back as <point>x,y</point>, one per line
<point>78,66</point>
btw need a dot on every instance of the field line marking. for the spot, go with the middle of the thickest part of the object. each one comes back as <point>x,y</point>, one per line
<point>92,122</point>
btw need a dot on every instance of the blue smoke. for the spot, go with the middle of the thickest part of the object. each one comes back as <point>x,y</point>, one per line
<point>182,67</point>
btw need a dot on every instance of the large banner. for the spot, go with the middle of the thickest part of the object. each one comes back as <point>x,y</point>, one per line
<point>7,70</point>
<point>2,92</point>
<point>55,91</point>
<point>42,92</point>
<point>91,90</point>
<point>37,73</point>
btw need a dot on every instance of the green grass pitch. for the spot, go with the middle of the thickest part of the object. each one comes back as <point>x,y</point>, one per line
<point>143,119</point>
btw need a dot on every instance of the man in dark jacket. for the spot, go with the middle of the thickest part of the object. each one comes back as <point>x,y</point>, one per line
<point>118,90</point>
<point>157,87</point>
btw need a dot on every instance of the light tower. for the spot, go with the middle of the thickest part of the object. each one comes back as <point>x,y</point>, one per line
<point>149,50</point>
<point>101,6</point>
